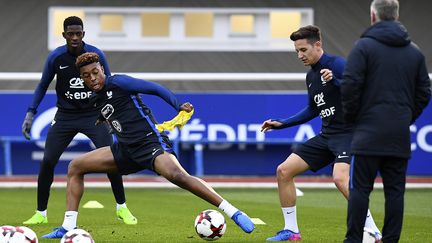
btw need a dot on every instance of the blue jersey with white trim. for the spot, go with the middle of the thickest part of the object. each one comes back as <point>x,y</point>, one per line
<point>72,94</point>
<point>122,107</point>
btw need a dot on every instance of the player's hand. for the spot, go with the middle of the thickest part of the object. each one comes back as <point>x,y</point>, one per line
<point>269,125</point>
<point>326,75</point>
<point>27,124</point>
<point>188,107</point>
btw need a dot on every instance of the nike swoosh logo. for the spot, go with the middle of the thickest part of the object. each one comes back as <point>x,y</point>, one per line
<point>341,157</point>
<point>290,212</point>
<point>154,152</point>
<point>63,67</point>
<point>310,85</point>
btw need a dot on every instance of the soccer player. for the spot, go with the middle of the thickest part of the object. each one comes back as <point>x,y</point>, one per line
<point>139,145</point>
<point>74,115</point>
<point>332,144</point>
<point>385,88</point>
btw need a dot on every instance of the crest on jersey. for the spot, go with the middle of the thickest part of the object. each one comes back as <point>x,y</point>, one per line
<point>107,111</point>
<point>319,99</point>
<point>109,94</point>
<point>116,125</point>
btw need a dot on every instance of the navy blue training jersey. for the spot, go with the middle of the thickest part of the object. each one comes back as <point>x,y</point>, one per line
<point>131,120</point>
<point>324,98</point>
<point>72,94</point>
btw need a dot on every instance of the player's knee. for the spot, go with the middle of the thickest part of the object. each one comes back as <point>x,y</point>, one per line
<point>178,178</point>
<point>340,179</point>
<point>283,173</point>
<point>74,168</point>
<point>49,162</point>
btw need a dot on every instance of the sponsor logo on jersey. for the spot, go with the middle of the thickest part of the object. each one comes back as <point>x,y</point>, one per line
<point>107,111</point>
<point>319,99</point>
<point>78,95</point>
<point>76,83</point>
<point>327,112</point>
<point>116,125</point>
<point>63,67</point>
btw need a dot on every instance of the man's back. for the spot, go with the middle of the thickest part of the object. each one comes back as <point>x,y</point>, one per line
<point>391,88</point>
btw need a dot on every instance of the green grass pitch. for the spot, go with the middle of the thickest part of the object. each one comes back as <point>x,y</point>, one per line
<point>167,215</point>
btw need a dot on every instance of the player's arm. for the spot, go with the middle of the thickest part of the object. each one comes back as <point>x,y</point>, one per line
<point>135,85</point>
<point>353,82</point>
<point>103,62</point>
<point>40,91</point>
<point>305,115</point>
<point>422,91</point>
<point>337,68</point>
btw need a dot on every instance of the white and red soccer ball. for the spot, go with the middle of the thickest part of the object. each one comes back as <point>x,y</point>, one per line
<point>210,225</point>
<point>77,236</point>
<point>19,234</point>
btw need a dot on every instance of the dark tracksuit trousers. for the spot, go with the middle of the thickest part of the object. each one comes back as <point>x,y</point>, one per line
<point>362,176</point>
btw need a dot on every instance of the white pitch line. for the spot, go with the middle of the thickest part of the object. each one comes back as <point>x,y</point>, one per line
<point>213,184</point>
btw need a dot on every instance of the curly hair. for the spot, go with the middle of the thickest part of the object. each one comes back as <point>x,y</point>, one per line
<point>86,59</point>
<point>311,33</point>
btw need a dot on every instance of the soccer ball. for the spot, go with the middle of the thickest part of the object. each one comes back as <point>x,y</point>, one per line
<point>4,233</point>
<point>368,235</point>
<point>210,224</point>
<point>77,236</point>
<point>22,234</point>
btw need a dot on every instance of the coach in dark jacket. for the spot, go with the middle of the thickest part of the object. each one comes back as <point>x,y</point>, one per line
<point>385,89</point>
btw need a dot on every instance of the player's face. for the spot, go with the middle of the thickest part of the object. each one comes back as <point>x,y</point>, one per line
<point>93,76</point>
<point>308,53</point>
<point>74,35</point>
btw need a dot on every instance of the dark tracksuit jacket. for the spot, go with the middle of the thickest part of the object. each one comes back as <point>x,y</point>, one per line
<point>385,89</point>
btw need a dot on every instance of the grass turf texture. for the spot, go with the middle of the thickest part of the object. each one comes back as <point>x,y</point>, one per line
<point>167,215</point>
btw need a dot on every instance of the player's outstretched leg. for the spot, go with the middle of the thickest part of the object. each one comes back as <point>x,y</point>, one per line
<point>285,174</point>
<point>168,166</point>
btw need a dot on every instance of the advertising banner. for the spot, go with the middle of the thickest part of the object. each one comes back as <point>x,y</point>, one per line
<point>225,128</point>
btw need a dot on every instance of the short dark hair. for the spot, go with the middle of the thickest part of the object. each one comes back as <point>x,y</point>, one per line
<point>72,20</point>
<point>311,33</point>
<point>86,59</point>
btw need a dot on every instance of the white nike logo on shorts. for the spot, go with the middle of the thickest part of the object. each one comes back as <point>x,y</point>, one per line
<point>155,151</point>
<point>341,157</point>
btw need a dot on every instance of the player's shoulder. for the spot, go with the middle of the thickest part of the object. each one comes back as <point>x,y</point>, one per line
<point>335,59</point>
<point>334,62</point>
<point>118,79</point>
<point>91,48</point>
<point>57,52</point>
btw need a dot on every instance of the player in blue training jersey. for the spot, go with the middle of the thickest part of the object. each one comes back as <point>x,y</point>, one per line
<point>139,144</point>
<point>73,116</point>
<point>332,144</point>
